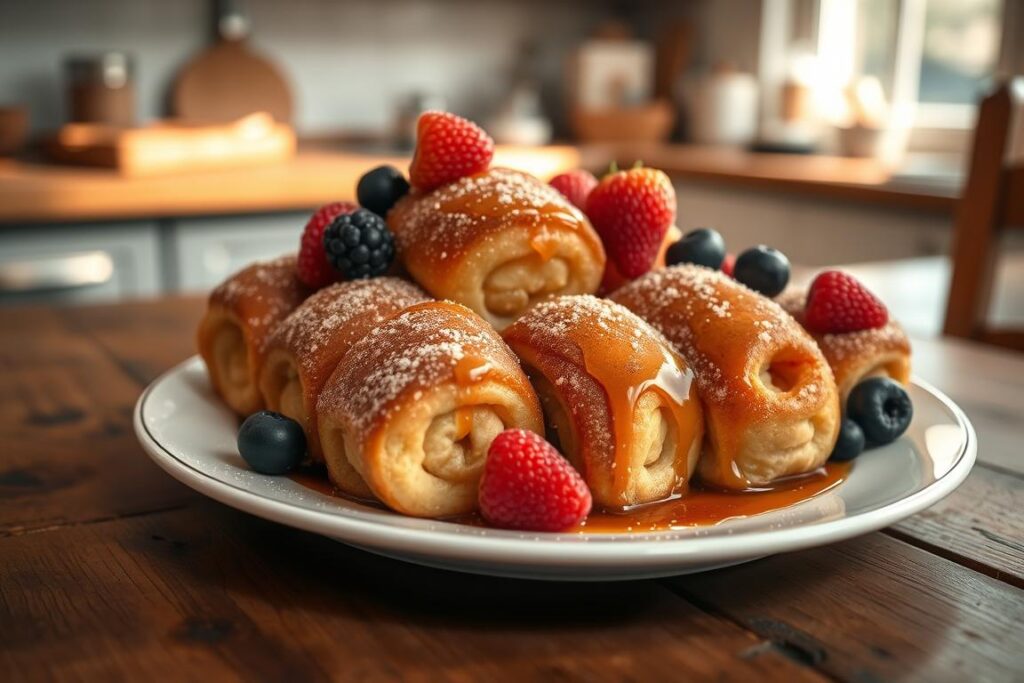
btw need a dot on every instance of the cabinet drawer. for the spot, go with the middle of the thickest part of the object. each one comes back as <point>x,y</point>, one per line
<point>207,250</point>
<point>79,263</point>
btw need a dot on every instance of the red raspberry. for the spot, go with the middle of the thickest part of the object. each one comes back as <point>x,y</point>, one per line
<point>729,263</point>
<point>575,185</point>
<point>837,302</point>
<point>448,147</point>
<point>314,270</point>
<point>527,485</point>
<point>631,211</point>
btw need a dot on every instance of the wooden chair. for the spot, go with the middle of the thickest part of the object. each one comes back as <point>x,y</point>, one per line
<point>992,202</point>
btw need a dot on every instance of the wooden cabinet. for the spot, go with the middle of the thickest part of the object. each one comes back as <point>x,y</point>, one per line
<point>204,251</point>
<point>77,263</point>
<point>108,262</point>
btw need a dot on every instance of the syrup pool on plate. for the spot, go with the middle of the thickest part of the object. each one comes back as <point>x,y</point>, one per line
<point>705,506</point>
<point>701,506</point>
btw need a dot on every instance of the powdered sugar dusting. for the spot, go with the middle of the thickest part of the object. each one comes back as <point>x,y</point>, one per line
<point>261,295</point>
<point>692,305</point>
<point>414,351</point>
<point>337,316</point>
<point>558,331</point>
<point>551,322</point>
<point>444,222</point>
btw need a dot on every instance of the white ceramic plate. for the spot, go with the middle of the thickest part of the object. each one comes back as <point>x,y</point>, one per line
<point>191,434</point>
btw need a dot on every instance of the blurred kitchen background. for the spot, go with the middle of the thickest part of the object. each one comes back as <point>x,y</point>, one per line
<point>151,147</point>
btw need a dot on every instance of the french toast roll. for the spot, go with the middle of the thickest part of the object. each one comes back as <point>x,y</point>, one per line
<point>241,314</point>
<point>620,402</point>
<point>497,242</point>
<point>306,347</point>
<point>770,402</point>
<point>854,356</point>
<point>414,405</point>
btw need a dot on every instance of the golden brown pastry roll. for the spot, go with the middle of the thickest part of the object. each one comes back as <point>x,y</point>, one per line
<point>853,356</point>
<point>306,347</point>
<point>414,405</point>
<point>771,406</point>
<point>620,401</point>
<point>497,242</point>
<point>241,315</point>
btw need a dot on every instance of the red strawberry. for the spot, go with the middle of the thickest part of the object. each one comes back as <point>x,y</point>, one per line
<point>575,185</point>
<point>837,302</point>
<point>527,485</point>
<point>314,270</point>
<point>729,263</point>
<point>631,210</point>
<point>448,147</point>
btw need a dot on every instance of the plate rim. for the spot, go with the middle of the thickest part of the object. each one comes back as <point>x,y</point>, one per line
<point>523,549</point>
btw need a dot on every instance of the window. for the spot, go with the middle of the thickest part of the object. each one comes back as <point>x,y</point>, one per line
<point>932,58</point>
<point>959,51</point>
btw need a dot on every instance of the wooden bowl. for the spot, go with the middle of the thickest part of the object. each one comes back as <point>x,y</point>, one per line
<point>644,123</point>
<point>13,129</point>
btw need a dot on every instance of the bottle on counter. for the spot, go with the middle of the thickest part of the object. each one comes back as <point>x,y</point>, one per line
<point>101,88</point>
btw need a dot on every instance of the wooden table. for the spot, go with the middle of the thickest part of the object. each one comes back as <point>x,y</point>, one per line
<point>111,570</point>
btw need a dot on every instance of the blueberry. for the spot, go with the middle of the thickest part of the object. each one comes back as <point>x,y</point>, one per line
<point>271,443</point>
<point>882,408</point>
<point>850,443</point>
<point>703,246</point>
<point>379,189</point>
<point>763,269</point>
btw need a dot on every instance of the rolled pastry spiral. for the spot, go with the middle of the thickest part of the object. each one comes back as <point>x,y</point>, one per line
<point>854,356</point>
<point>770,402</point>
<point>497,242</point>
<point>308,345</point>
<point>241,315</point>
<point>618,399</point>
<point>414,405</point>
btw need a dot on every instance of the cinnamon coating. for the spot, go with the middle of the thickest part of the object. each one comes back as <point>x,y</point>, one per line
<point>497,242</point>
<point>308,345</point>
<point>241,315</point>
<point>619,401</point>
<point>414,405</point>
<point>770,399</point>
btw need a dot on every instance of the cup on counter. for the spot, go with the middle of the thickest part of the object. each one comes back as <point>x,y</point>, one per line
<point>723,107</point>
<point>101,88</point>
<point>860,141</point>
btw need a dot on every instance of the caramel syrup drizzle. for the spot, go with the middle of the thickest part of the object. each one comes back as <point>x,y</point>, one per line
<point>615,369</point>
<point>701,506</point>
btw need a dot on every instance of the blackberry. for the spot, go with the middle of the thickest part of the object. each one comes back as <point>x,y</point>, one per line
<point>359,245</point>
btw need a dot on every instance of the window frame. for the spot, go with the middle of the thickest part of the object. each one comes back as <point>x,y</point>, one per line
<point>926,122</point>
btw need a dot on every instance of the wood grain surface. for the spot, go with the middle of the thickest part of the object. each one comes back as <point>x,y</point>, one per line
<point>110,570</point>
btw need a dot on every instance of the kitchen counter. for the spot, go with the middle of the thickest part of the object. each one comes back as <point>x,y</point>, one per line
<point>817,175</point>
<point>113,570</point>
<point>48,193</point>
